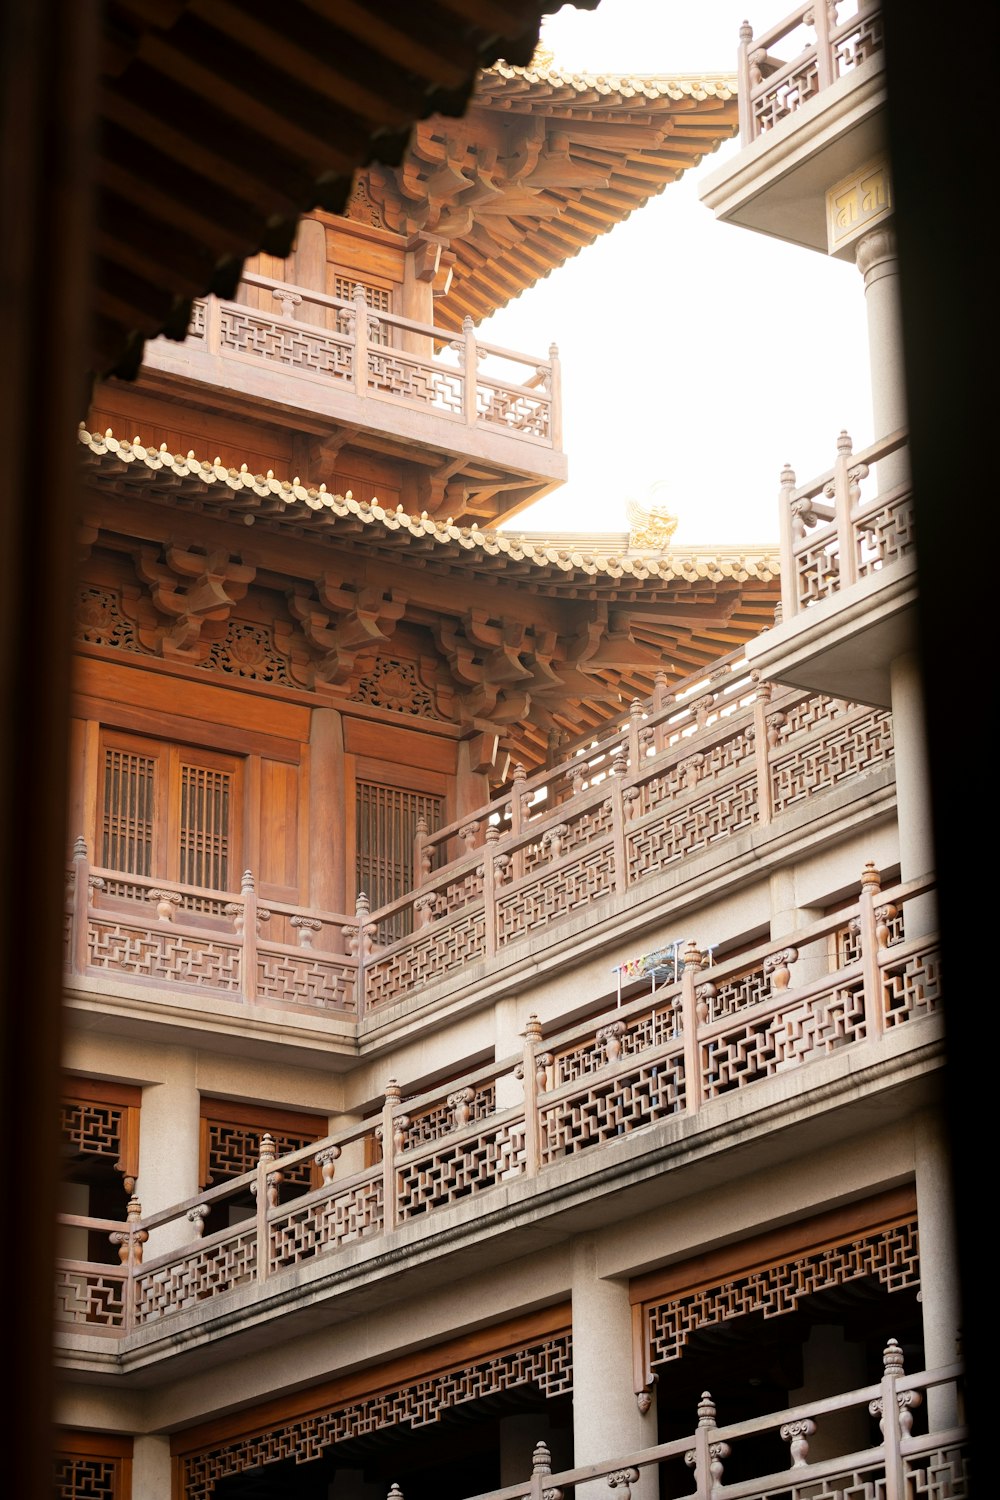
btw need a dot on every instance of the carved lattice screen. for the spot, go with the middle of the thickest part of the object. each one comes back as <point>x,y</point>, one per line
<point>92,1466</point>
<point>129,811</point>
<point>205,807</point>
<point>386,829</point>
<point>169,811</point>
<point>230,1141</point>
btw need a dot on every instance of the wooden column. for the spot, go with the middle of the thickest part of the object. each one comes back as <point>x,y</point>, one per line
<point>327,851</point>
<point>310,267</point>
<point>48,69</point>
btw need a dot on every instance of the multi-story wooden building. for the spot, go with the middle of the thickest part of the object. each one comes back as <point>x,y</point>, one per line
<point>502,984</point>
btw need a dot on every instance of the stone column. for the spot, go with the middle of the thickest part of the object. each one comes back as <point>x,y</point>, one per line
<point>168,1147</point>
<point>607,1423</point>
<point>913,791</point>
<point>327,850</point>
<point>151,1467</point>
<point>940,1291</point>
<point>876,258</point>
<point>509,1042</point>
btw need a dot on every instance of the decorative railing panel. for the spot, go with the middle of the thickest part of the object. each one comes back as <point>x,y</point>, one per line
<point>90,1296</point>
<point>688,771</point>
<point>212,1268</point>
<point>707,1031</point>
<point>317,1225</point>
<point>819,48</point>
<point>342,341</point>
<point>847,524</point>
<point>435,950</point>
<point>461,1166</point>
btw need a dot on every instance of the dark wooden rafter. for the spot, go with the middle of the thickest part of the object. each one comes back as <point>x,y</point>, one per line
<point>223,121</point>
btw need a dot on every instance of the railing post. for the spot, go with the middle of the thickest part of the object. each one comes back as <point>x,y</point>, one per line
<point>130,1241</point>
<point>555,397</point>
<point>213,325</point>
<point>360,342</point>
<point>706,1456</point>
<point>694,961</point>
<point>846,550</point>
<point>822,14</point>
<point>265,1191</point>
<point>390,1206</point>
<point>871,886</point>
<point>616,803</point>
<point>761,752</point>
<point>789,577</point>
<point>421,856</point>
<point>743,83</point>
<point>887,1407</point>
<point>470,373</point>
<point>490,923</point>
<point>248,896</point>
<point>517,818</point>
<point>83,895</point>
<point>533,1084</point>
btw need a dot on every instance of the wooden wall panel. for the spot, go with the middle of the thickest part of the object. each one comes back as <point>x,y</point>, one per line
<point>131,413</point>
<point>202,706</point>
<point>279,830</point>
<point>398,749</point>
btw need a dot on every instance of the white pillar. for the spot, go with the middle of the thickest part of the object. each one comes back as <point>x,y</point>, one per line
<point>940,1291</point>
<point>913,792</point>
<point>168,1147</point>
<point>877,259</point>
<point>607,1423</point>
<point>151,1468</point>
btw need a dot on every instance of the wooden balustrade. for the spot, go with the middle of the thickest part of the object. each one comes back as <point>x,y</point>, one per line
<point>362,349</point>
<point>790,63</point>
<point>722,756</point>
<point>710,1030</point>
<point>911,1456</point>
<point>834,531</point>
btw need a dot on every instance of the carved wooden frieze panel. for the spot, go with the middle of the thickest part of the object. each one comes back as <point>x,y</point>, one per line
<point>545,1362</point>
<point>889,1253</point>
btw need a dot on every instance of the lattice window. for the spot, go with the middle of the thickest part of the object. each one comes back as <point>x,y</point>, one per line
<point>99,1129</point>
<point>170,812</point>
<point>206,798</point>
<point>386,829</point>
<point>378,298</point>
<point>129,811</point>
<point>92,1467</point>
<point>230,1141</point>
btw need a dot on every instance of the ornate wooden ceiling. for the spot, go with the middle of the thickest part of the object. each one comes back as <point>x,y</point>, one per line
<point>541,164</point>
<point>222,121</point>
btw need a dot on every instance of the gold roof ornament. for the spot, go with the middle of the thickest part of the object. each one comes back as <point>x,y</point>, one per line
<point>543,59</point>
<point>651,526</point>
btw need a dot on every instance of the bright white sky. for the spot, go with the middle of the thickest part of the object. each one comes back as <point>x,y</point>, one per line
<point>697,357</point>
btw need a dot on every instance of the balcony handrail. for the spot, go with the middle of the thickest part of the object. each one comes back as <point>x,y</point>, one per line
<point>827,545</point>
<point>761,73</point>
<point>598,1062</point>
<point>708,1446</point>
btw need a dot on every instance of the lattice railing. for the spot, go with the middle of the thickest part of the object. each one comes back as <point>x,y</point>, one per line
<point>909,1454</point>
<point>849,523</point>
<point>685,772</point>
<point>818,44</point>
<point>182,937</point>
<point>369,353</point>
<point>707,1030</point>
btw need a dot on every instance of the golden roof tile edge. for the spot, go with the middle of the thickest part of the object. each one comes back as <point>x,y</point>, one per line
<point>739,563</point>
